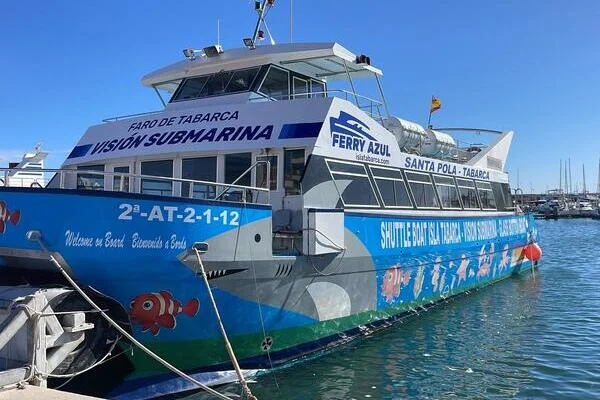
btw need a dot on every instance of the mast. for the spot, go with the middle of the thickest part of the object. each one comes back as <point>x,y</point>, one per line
<point>570,178</point>
<point>566,182</point>
<point>584,189</point>
<point>560,178</point>
<point>598,185</point>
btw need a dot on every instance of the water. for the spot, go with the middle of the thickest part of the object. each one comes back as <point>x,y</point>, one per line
<point>531,337</point>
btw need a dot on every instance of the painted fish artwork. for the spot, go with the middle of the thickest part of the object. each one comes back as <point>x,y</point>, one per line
<point>393,281</point>
<point>153,311</point>
<point>7,216</point>
<point>485,261</point>
<point>418,285</point>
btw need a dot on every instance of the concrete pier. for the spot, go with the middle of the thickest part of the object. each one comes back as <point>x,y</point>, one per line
<point>29,392</point>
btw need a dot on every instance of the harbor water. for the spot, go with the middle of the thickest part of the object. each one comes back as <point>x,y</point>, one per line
<point>536,336</point>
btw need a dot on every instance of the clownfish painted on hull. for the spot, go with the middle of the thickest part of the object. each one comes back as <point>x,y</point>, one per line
<point>393,281</point>
<point>153,311</point>
<point>7,216</point>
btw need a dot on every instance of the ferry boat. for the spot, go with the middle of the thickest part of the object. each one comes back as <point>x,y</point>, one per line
<point>320,215</point>
<point>29,172</point>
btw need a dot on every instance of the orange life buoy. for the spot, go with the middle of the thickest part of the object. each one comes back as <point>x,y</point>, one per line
<point>532,252</point>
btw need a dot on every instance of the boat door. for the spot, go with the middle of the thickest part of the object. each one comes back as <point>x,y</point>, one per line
<point>119,183</point>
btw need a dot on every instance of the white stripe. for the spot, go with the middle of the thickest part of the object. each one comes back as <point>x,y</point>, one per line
<point>161,301</point>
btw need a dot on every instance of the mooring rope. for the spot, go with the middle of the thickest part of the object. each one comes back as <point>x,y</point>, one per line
<point>128,336</point>
<point>234,361</point>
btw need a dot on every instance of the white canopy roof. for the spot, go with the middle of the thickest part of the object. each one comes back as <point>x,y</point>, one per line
<point>326,61</point>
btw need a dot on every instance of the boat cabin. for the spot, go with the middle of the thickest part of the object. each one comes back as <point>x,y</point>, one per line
<point>265,125</point>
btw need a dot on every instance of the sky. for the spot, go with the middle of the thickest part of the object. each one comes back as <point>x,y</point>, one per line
<point>530,66</point>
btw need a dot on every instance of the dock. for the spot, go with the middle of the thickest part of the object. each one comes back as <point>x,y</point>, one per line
<point>30,392</point>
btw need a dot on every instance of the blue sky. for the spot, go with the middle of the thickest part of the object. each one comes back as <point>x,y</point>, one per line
<point>530,66</point>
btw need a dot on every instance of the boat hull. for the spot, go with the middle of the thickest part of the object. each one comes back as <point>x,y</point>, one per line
<point>136,249</point>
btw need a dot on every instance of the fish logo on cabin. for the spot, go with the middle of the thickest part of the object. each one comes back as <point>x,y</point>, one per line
<point>350,133</point>
<point>6,216</point>
<point>153,311</point>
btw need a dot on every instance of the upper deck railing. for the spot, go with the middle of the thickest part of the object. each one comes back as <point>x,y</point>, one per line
<point>144,184</point>
<point>370,106</point>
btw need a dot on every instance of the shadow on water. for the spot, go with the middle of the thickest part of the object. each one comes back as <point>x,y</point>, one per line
<point>532,336</point>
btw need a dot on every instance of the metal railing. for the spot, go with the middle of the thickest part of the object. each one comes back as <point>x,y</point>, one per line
<point>370,106</point>
<point>120,117</point>
<point>139,183</point>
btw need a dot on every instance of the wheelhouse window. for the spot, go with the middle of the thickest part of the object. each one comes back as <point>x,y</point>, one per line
<point>261,172</point>
<point>392,187</point>
<point>300,87</point>
<point>199,169</point>
<point>216,84</point>
<point>160,187</point>
<point>242,80</point>
<point>468,194</point>
<point>276,84</point>
<point>293,168</point>
<point>191,88</point>
<point>422,190</point>
<point>121,182</point>
<point>447,192</point>
<point>317,88</point>
<point>223,82</point>
<point>486,195</point>
<point>352,182</point>
<point>90,181</point>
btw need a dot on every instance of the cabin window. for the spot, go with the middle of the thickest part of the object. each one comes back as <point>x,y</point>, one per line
<point>486,195</point>
<point>216,84</point>
<point>261,172</point>
<point>293,168</point>
<point>422,190</point>
<point>447,192</point>
<point>160,187</point>
<point>392,187</point>
<point>352,182</point>
<point>121,182</point>
<point>90,181</point>
<point>235,165</point>
<point>318,88</point>
<point>503,196</point>
<point>199,169</point>
<point>276,84</point>
<point>191,88</point>
<point>242,80</point>
<point>468,194</point>
<point>300,88</point>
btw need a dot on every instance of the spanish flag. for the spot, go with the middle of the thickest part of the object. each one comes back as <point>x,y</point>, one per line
<point>436,104</point>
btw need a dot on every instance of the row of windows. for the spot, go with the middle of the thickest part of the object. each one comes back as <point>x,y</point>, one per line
<point>277,83</point>
<point>202,169</point>
<point>409,189</point>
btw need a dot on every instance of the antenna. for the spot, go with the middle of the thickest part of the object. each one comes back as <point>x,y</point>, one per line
<point>262,10</point>
<point>218,32</point>
<point>291,19</point>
